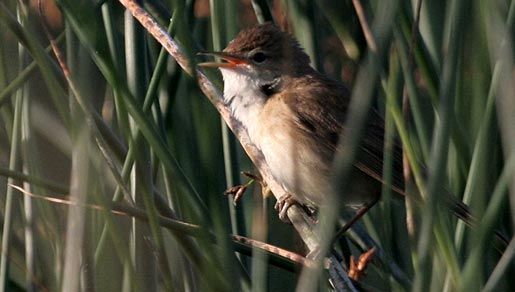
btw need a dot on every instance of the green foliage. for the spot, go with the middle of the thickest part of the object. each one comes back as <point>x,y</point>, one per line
<point>126,129</point>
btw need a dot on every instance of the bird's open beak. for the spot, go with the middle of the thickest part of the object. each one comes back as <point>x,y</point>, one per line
<point>231,60</point>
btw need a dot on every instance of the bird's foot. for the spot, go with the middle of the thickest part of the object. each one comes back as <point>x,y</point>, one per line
<point>283,204</point>
<point>357,267</point>
<point>286,201</point>
<point>238,190</point>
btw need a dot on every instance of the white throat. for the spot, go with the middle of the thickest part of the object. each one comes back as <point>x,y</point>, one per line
<point>243,95</point>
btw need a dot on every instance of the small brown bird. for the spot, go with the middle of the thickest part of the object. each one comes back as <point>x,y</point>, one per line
<point>296,116</point>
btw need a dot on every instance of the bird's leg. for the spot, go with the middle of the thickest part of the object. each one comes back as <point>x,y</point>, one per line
<point>362,211</point>
<point>356,267</point>
<point>238,190</point>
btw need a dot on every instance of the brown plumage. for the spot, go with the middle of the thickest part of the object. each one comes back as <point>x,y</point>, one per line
<point>296,116</point>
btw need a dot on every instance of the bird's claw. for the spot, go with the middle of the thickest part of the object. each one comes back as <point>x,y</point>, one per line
<point>237,192</point>
<point>283,204</point>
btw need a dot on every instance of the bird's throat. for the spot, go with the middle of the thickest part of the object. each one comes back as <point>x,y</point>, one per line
<point>245,98</point>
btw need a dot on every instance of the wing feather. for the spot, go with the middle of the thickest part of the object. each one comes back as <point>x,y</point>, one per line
<point>321,110</point>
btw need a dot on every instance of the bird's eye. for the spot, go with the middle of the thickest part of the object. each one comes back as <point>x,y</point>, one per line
<point>259,57</point>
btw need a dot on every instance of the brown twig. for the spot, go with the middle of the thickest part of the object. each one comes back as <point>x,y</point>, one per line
<point>294,257</point>
<point>172,224</point>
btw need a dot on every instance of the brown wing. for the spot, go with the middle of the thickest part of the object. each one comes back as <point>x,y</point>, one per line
<point>321,110</point>
<point>318,110</point>
<point>370,158</point>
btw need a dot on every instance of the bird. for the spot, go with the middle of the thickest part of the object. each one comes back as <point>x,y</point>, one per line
<point>296,116</point>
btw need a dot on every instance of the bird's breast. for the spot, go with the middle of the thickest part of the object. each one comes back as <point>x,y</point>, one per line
<point>291,153</point>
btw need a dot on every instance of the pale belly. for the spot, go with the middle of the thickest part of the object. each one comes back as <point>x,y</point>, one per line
<point>301,171</point>
<point>303,176</point>
<point>308,177</point>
